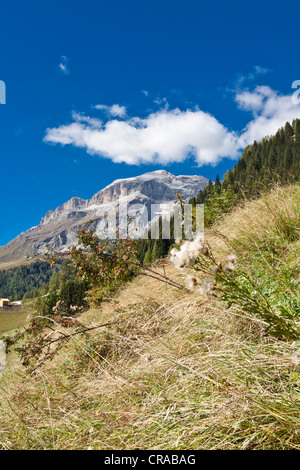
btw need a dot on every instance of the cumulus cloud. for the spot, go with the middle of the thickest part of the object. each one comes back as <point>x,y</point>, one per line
<point>64,65</point>
<point>162,137</point>
<point>270,111</point>
<point>115,110</point>
<point>172,135</point>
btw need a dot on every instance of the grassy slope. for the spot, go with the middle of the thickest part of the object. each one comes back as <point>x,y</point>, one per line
<point>178,370</point>
<point>20,262</point>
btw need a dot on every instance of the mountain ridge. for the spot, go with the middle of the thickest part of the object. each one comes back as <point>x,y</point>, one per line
<point>57,228</point>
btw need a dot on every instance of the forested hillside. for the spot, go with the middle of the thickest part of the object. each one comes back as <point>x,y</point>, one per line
<point>274,159</point>
<point>21,280</point>
<point>149,250</point>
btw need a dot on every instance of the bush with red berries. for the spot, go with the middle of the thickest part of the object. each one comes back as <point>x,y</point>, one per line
<point>102,264</point>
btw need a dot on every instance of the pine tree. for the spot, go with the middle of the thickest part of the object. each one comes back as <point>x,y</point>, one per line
<point>217,184</point>
<point>288,131</point>
<point>148,257</point>
<point>155,254</point>
<point>288,159</point>
<point>297,130</point>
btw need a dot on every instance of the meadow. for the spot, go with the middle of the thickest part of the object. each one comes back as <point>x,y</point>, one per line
<point>177,369</point>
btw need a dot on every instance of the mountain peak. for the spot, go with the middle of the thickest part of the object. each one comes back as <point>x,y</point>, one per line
<point>58,227</point>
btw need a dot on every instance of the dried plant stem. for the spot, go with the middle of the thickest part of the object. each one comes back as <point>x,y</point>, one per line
<point>178,286</point>
<point>77,333</point>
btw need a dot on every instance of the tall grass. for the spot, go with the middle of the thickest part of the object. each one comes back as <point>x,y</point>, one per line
<point>177,370</point>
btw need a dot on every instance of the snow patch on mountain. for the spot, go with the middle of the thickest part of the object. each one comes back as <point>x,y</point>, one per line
<point>58,227</point>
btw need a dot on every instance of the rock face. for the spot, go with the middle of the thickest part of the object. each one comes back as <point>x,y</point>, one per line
<point>57,228</point>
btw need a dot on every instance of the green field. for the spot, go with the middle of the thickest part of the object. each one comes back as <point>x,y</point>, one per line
<point>12,320</point>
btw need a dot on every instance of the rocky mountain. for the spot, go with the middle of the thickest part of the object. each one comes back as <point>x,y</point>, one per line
<point>138,194</point>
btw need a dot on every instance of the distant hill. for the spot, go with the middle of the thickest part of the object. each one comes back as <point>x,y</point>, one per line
<point>17,281</point>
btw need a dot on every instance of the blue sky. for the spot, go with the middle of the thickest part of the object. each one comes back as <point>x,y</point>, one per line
<point>129,87</point>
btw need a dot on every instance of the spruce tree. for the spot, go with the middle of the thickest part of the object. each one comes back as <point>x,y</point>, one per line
<point>148,257</point>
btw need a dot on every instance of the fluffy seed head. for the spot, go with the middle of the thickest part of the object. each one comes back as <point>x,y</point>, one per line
<point>208,287</point>
<point>229,267</point>
<point>188,252</point>
<point>231,258</point>
<point>191,282</point>
<point>216,269</point>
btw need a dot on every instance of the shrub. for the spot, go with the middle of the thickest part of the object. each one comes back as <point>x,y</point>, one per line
<point>44,305</point>
<point>73,293</point>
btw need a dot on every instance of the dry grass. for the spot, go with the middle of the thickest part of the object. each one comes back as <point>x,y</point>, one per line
<point>177,371</point>
<point>277,213</point>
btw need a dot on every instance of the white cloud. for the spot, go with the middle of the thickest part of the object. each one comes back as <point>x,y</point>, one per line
<point>162,137</point>
<point>270,111</point>
<point>161,101</point>
<point>64,65</point>
<point>257,70</point>
<point>261,70</point>
<point>115,110</point>
<point>172,135</point>
<point>92,122</point>
<point>250,101</point>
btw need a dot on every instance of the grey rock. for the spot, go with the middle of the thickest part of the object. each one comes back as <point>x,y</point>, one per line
<point>57,229</point>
